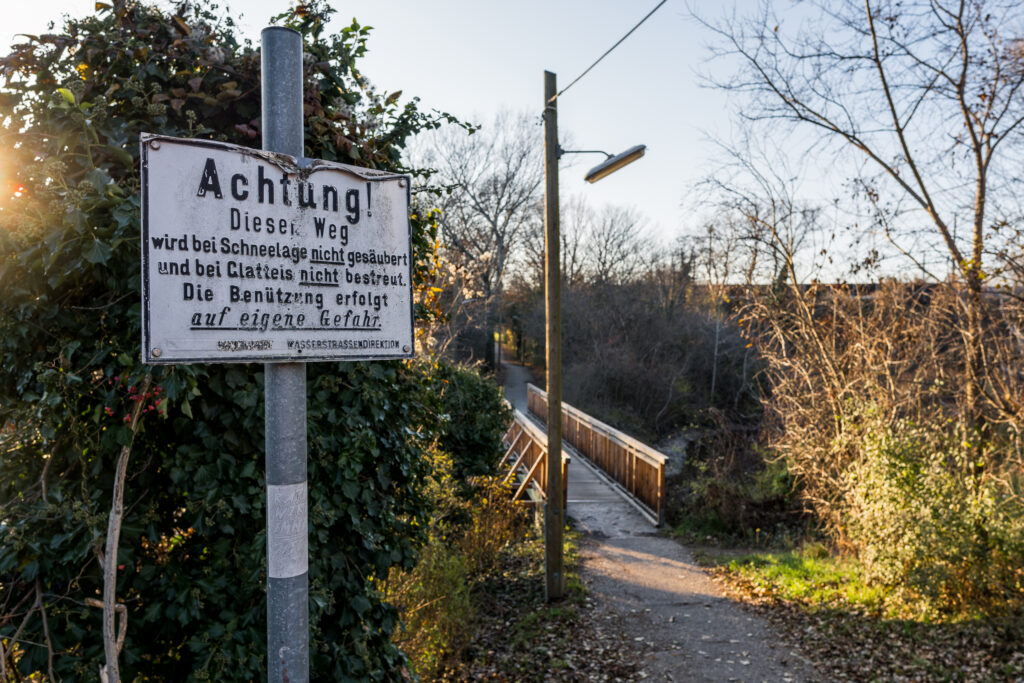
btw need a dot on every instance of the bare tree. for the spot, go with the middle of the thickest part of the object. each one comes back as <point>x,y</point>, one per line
<point>493,179</point>
<point>670,276</point>
<point>760,231</point>
<point>929,93</point>
<point>617,248</point>
<point>575,218</point>
<point>609,245</point>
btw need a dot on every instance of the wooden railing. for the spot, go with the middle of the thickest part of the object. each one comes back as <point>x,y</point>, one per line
<point>527,454</point>
<point>635,466</point>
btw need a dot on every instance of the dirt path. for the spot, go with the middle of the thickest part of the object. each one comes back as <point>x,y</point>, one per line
<point>678,618</point>
<point>687,630</point>
<point>516,379</point>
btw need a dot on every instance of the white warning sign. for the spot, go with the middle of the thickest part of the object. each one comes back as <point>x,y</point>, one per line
<point>253,256</point>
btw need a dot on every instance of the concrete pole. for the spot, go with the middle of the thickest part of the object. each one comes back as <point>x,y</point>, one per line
<point>285,387</point>
<point>554,514</point>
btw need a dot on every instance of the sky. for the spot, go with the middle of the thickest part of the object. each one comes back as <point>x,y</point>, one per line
<point>474,59</point>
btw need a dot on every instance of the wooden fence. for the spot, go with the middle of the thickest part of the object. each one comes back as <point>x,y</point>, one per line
<point>635,466</point>
<point>527,454</point>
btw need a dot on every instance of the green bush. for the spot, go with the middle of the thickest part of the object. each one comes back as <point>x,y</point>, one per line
<point>192,548</point>
<point>474,418</point>
<point>925,523</point>
<point>713,497</point>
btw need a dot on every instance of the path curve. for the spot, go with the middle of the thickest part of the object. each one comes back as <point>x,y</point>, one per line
<point>676,615</point>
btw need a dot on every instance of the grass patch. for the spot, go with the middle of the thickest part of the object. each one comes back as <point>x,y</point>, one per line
<point>854,630</point>
<point>811,577</point>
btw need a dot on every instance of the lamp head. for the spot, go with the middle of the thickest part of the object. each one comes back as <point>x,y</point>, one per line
<point>612,164</point>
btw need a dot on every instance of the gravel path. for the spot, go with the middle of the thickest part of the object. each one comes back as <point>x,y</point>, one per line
<point>678,618</point>
<point>687,630</point>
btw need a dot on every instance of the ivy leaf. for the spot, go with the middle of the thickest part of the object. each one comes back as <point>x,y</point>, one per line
<point>97,252</point>
<point>360,604</point>
<point>99,179</point>
<point>122,155</point>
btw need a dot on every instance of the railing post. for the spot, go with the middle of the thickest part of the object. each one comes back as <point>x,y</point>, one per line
<point>661,495</point>
<point>633,455</point>
<point>565,483</point>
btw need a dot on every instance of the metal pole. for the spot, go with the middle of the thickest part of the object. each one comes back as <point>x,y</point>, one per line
<point>554,515</point>
<point>285,387</point>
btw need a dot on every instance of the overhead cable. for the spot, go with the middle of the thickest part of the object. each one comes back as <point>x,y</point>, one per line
<point>609,50</point>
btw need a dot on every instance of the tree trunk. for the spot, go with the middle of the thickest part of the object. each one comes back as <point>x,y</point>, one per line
<point>975,423</point>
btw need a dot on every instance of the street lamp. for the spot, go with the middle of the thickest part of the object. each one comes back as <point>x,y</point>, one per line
<point>614,163</point>
<point>554,514</point>
<point>611,164</point>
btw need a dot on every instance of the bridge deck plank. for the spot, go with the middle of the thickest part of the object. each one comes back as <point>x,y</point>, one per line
<point>586,486</point>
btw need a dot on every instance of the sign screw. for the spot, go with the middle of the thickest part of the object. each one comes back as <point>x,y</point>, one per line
<point>157,353</point>
<point>405,348</point>
<point>401,182</point>
<point>154,144</point>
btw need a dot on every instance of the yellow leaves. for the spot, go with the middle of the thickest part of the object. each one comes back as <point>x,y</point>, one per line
<point>229,91</point>
<point>180,24</point>
<point>68,96</point>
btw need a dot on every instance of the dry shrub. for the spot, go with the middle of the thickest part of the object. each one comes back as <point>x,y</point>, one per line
<point>867,405</point>
<point>435,607</point>
<point>493,526</point>
<point>437,599</point>
<point>653,365</point>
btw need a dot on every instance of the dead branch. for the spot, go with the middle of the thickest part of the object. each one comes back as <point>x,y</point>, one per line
<point>110,673</point>
<point>46,628</point>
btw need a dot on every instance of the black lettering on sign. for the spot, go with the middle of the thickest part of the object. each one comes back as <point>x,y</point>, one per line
<point>352,206</point>
<point>330,230</point>
<point>285,183</point>
<point>236,180</point>
<point>306,198</point>
<point>209,181</point>
<point>265,185</point>
<point>330,198</point>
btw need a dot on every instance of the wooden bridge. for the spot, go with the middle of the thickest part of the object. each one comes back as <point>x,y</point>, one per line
<point>683,626</point>
<point>600,463</point>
